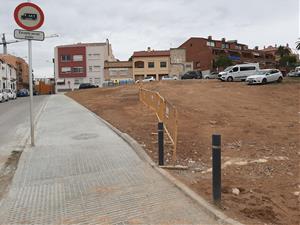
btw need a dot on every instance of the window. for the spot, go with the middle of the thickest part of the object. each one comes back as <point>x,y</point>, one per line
<point>238,47</point>
<point>76,81</point>
<point>96,68</point>
<point>247,68</point>
<point>163,64</point>
<point>77,69</point>
<point>235,69</point>
<point>90,68</point>
<point>66,69</point>
<point>211,43</point>
<point>139,64</point>
<point>77,58</point>
<point>224,45</point>
<point>150,64</point>
<point>66,58</point>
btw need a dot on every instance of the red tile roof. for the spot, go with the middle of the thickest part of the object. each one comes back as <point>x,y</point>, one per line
<point>151,53</point>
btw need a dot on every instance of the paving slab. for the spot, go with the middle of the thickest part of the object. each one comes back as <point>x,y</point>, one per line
<point>81,172</point>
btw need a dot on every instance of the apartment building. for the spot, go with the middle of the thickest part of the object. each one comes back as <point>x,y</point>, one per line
<point>8,76</point>
<point>22,69</point>
<point>159,63</point>
<point>203,52</point>
<point>81,63</point>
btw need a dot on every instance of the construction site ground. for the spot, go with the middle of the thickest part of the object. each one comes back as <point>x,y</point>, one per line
<point>260,128</point>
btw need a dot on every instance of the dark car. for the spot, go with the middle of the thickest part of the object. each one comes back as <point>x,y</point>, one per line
<point>87,85</point>
<point>23,93</point>
<point>192,75</point>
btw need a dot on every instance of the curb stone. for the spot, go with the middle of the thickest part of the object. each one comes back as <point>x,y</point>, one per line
<point>207,207</point>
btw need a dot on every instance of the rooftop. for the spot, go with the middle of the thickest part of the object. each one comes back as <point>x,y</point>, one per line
<point>151,53</point>
<point>84,44</point>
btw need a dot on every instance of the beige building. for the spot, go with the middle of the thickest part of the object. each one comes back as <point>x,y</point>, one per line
<point>160,63</point>
<point>22,69</point>
<point>150,63</point>
<point>117,71</point>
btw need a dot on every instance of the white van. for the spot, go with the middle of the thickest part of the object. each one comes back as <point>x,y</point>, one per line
<point>239,72</point>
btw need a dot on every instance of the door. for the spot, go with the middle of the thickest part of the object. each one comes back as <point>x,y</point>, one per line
<point>235,73</point>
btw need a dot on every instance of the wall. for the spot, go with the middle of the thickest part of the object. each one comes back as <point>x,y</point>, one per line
<point>96,55</point>
<point>179,66</point>
<point>120,70</point>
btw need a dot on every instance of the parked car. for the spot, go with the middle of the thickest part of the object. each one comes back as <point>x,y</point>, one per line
<point>23,93</point>
<point>11,94</point>
<point>148,79</point>
<point>87,85</point>
<point>4,96</point>
<point>239,72</point>
<point>192,75</point>
<point>213,75</point>
<point>294,74</point>
<point>265,76</point>
<point>1,97</point>
<point>169,78</point>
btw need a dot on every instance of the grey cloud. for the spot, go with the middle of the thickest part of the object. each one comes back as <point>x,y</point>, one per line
<point>135,24</point>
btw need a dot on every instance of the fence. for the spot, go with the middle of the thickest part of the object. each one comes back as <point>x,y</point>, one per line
<point>165,113</point>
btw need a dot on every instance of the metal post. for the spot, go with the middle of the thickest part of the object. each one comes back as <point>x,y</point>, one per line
<point>216,168</point>
<point>160,132</point>
<point>31,91</point>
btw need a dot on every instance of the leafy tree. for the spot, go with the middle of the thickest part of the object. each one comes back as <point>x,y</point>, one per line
<point>288,60</point>
<point>283,51</point>
<point>223,61</point>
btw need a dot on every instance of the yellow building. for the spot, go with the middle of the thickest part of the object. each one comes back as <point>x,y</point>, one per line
<point>150,63</point>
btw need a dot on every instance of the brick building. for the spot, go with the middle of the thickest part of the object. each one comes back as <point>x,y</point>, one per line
<point>204,51</point>
<point>22,69</point>
<point>81,63</point>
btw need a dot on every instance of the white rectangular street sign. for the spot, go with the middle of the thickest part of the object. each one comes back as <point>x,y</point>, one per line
<point>29,35</point>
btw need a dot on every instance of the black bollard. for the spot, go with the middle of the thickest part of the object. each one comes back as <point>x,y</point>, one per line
<point>216,168</point>
<point>160,132</point>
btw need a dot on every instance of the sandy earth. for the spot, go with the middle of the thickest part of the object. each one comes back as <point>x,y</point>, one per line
<point>260,128</point>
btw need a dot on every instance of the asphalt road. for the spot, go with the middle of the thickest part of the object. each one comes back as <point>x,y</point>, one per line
<point>14,123</point>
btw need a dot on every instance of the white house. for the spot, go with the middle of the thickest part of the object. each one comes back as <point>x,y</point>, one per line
<point>8,76</point>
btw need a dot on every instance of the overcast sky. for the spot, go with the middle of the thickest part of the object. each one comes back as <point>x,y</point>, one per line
<point>133,25</point>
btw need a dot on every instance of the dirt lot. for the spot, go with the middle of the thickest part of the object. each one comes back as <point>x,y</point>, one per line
<point>260,128</point>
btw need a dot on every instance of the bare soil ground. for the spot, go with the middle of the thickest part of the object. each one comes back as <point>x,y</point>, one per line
<point>260,128</point>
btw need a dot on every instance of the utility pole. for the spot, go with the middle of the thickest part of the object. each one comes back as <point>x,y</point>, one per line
<point>5,43</point>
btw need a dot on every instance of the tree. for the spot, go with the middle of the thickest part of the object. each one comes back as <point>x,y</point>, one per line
<point>288,61</point>
<point>283,51</point>
<point>223,61</point>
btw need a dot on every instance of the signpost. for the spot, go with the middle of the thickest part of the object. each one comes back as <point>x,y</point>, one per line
<point>30,17</point>
<point>29,35</point>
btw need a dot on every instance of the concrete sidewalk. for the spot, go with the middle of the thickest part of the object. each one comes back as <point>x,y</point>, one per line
<point>81,172</point>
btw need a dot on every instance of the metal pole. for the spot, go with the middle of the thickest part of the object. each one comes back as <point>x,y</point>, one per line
<point>160,144</point>
<point>216,168</point>
<point>31,91</point>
